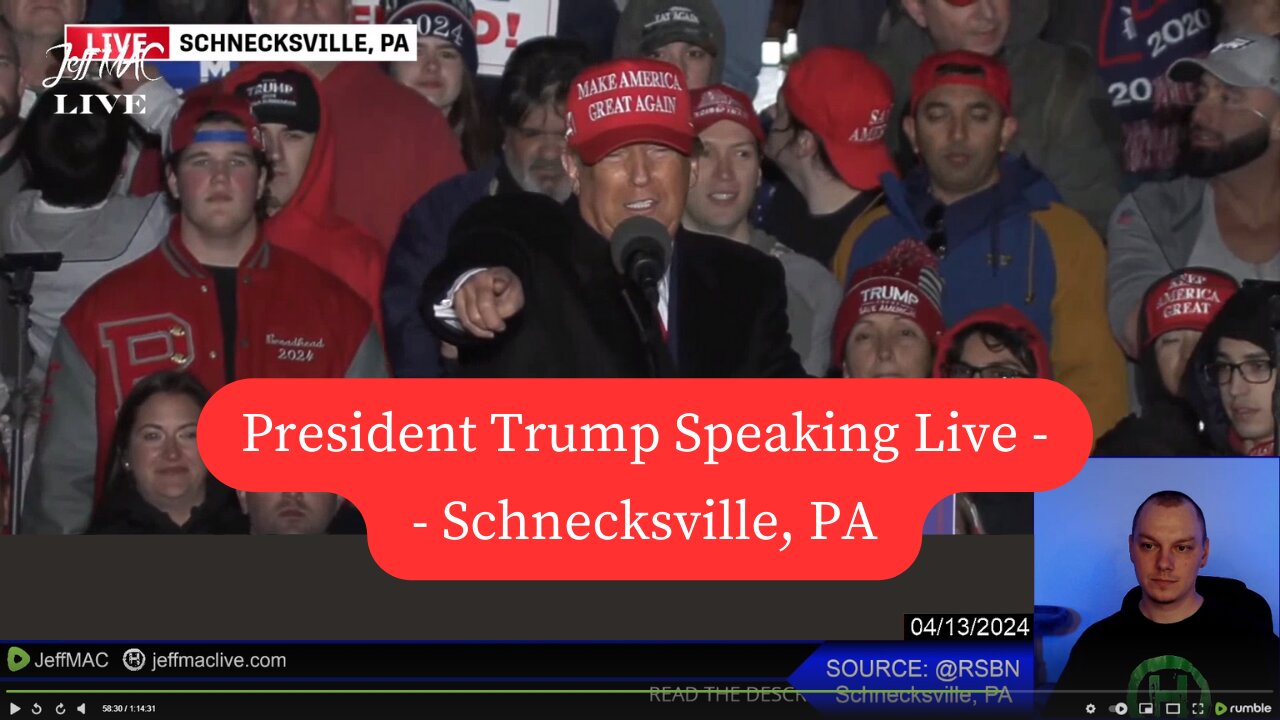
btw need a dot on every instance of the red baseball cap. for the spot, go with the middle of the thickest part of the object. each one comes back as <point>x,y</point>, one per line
<point>202,101</point>
<point>625,102</point>
<point>1188,299</point>
<point>714,103</point>
<point>969,68</point>
<point>846,100</point>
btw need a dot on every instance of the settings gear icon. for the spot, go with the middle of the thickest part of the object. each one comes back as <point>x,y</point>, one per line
<point>1091,708</point>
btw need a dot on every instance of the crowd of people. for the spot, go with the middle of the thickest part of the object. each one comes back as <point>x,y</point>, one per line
<point>1083,192</point>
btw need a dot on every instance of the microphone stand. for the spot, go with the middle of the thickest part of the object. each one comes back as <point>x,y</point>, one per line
<point>21,269</point>
<point>21,280</point>
<point>650,289</point>
<point>654,338</point>
<point>649,337</point>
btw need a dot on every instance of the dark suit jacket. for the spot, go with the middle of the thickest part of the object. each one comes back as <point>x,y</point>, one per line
<point>727,314</point>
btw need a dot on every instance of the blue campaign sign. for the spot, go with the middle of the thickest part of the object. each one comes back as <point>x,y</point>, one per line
<point>186,74</point>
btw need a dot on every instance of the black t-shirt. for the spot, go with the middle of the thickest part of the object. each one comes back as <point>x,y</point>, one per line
<point>787,218</point>
<point>224,279</point>
<point>1227,644</point>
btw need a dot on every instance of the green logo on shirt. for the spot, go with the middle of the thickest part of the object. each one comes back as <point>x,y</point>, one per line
<point>1165,683</point>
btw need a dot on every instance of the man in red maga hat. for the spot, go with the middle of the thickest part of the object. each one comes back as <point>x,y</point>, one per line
<point>530,288</point>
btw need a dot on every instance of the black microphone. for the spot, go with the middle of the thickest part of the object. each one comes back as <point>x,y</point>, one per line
<point>641,247</point>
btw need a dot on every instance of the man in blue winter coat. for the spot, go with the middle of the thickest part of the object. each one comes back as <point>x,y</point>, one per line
<point>997,225</point>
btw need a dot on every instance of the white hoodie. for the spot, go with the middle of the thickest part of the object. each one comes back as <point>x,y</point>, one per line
<point>93,242</point>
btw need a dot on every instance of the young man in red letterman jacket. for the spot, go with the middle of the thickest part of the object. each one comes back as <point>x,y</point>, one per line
<point>213,298</point>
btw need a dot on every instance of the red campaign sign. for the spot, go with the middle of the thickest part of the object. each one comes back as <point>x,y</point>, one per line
<point>488,24</point>
<point>645,479</point>
<point>368,12</point>
<point>501,25</point>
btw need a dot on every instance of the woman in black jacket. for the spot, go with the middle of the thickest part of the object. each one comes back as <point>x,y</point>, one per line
<point>157,483</point>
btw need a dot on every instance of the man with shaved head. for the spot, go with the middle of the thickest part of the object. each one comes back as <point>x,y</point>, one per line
<point>1179,637</point>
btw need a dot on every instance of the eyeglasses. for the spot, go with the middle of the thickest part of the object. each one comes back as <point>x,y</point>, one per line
<point>1253,371</point>
<point>986,372</point>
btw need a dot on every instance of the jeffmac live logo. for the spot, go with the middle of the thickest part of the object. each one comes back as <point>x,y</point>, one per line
<point>98,52</point>
<point>129,104</point>
<point>111,52</point>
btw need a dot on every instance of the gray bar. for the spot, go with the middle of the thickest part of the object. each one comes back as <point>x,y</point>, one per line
<point>307,588</point>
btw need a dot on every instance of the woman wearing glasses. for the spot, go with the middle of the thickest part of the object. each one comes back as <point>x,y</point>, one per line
<point>998,342</point>
<point>1231,379</point>
<point>995,343</point>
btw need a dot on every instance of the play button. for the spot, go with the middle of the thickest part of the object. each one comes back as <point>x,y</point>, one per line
<point>14,709</point>
<point>18,658</point>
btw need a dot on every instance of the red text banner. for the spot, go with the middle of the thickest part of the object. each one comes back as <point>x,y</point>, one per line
<point>645,479</point>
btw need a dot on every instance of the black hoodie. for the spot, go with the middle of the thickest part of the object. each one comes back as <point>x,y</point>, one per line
<point>1253,314</point>
<point>1228,644</point>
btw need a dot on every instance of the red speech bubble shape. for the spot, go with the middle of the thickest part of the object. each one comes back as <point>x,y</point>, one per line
<point>707,458</point>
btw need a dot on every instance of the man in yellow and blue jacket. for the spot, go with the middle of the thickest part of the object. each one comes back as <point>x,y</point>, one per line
<point>998,226</point>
